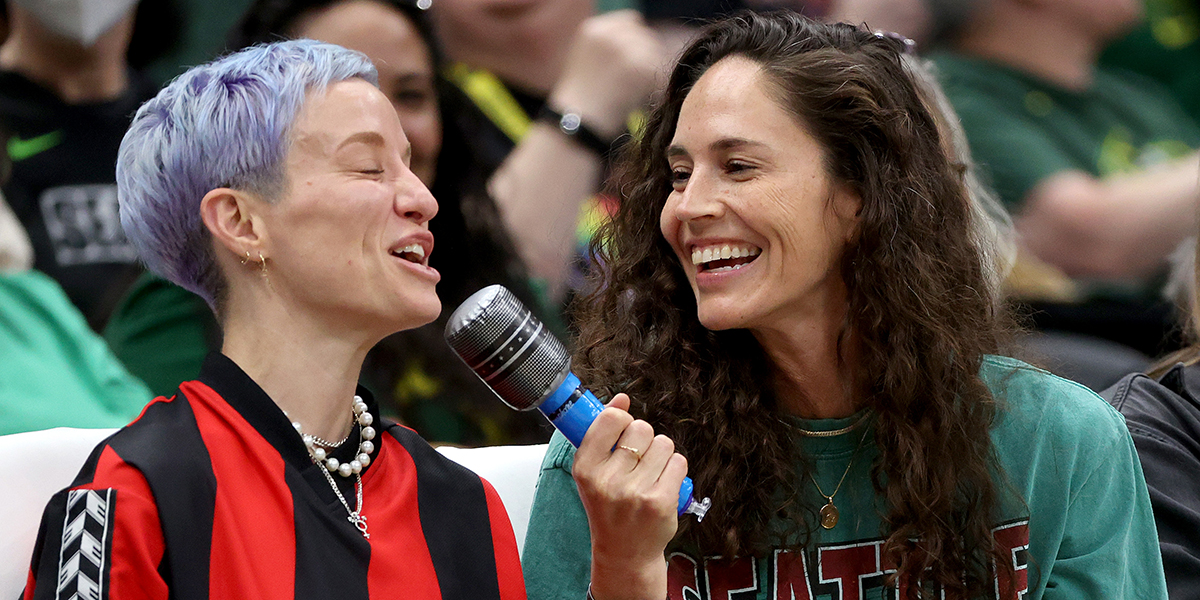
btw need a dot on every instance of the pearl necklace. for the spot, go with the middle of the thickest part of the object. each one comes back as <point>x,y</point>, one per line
<point>331,465</point>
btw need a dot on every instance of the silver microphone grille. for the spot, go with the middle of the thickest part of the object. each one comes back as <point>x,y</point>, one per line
<point>507,347</point>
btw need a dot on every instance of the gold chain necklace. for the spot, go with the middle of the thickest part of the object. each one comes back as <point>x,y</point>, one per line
<point>829,512</point>
<point>836,432</point>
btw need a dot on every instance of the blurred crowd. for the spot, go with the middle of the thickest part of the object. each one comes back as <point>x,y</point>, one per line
<point>1081,116</point>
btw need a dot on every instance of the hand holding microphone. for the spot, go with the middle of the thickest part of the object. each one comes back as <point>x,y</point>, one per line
<point>629,496</point>
<point>527,367</point>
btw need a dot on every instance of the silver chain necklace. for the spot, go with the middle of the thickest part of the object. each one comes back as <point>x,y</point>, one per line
<point>355,516</point>
<point>330,465</point>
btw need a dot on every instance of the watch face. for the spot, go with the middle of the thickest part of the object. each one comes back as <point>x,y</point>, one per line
<point>570,123</point>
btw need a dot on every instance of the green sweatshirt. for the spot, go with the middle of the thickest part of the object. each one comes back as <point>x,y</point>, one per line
<point>54,371</point>
<point>1081,529</point>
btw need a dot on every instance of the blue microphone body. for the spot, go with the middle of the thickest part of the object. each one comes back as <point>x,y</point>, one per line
<point>527,367</point>
<point>572,408</point>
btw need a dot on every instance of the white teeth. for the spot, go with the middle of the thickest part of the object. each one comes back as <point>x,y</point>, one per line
<point>725,252</point>
<point>413,249</point>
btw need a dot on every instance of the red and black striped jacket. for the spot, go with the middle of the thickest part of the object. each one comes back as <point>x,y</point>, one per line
<point>212,494</point>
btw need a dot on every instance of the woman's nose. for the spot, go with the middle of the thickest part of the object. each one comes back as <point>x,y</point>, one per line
<point>413,200</point>
<point>699,199</point>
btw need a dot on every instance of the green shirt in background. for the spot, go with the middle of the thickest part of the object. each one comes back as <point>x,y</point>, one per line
<point>162,333</point>
<point>1165,47</point>
<point>54,371</point>
<point>1022,129</point>
<point>1081,529</point>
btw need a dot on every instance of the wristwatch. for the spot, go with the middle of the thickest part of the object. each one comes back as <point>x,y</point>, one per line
<point>571,124</point>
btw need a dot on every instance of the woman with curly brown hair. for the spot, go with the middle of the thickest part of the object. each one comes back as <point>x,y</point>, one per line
<point>793,292</point>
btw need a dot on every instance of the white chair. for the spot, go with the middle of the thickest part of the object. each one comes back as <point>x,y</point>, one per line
<point>58,454</point>
<point>49,461</point>
<point>512,470</point>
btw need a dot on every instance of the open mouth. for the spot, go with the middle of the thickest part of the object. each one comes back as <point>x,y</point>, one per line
<point>727,257</point>
<point>412,253</point>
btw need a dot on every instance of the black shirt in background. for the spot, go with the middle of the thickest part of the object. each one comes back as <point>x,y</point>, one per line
<point>63,187</point>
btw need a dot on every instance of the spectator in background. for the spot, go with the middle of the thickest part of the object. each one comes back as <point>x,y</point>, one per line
<point>1166,47</point>
<point>163,332</point>
<point>55,371</point>
<point>533,68</point>
<point>67,90</point>
<point>911,18</point>
<point>1098,166</point>
<point>921,20</point>
<point>1162,410</point>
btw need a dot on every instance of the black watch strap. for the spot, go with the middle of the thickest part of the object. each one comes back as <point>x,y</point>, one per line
<point>571,125</point>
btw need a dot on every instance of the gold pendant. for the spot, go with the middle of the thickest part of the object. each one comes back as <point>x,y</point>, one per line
<point>829,515</point>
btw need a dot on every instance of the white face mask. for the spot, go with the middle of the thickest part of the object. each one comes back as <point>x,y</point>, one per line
<point>81,20</point>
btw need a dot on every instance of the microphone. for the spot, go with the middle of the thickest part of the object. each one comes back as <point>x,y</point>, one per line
<point>527,367</point>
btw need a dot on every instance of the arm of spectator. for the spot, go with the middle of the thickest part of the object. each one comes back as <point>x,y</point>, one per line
<point>1109,547</point>
<point>1121,226</point>
<point>610,71</point>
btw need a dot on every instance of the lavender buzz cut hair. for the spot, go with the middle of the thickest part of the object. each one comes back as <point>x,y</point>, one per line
<point>222,124</point>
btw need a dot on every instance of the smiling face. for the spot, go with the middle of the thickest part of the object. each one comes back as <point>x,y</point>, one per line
<point>350,235</point>
<point>755,220</point>
<point>404,62</point>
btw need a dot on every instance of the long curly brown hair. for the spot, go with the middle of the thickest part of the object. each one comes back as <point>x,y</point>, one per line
<point>919,312</point>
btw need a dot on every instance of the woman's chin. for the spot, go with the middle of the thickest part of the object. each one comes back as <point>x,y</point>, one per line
<point>717,322</point>
<point>418,316</point>
<point>401,316</point>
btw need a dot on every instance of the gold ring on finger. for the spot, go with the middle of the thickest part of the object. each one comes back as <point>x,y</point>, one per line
<point>635,451</point>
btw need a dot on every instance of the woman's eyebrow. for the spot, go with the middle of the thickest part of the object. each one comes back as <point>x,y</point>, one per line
<point>370,138</point>
<point>732,143</point>
<point>723,144</point>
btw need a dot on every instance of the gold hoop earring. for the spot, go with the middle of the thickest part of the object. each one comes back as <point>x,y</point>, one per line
<point>263,261</point>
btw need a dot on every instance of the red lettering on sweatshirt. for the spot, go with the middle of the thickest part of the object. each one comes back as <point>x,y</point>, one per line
<point>847,565</point>
<point>729,576</point>
<point>1014,540</point>
<point>791,576</point>
<point>845,572</point>
<point>683,578</point>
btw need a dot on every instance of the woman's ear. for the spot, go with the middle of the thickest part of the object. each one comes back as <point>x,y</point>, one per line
<point>847,207</point>
<point>231,218</point>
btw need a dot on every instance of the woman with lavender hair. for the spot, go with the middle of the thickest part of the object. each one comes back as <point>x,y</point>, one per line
<point>275,183</point>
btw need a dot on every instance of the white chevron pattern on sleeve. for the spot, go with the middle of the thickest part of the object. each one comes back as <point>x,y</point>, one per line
<point>87,532</point>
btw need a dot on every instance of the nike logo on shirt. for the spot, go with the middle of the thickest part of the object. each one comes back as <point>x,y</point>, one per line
<point>21,149</point>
